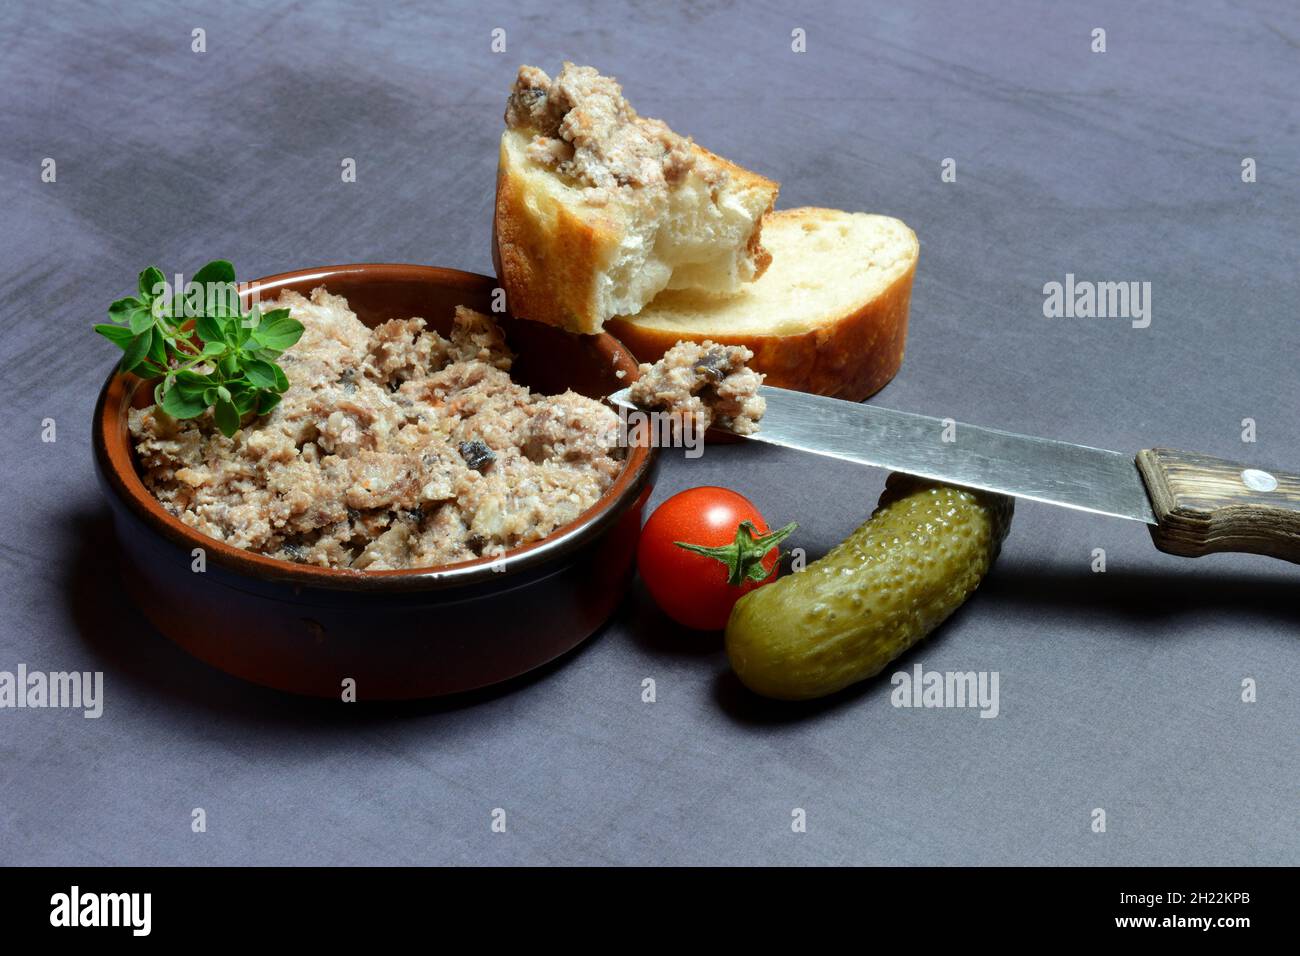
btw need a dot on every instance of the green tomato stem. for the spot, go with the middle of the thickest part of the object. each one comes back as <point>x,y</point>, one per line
<point>744,556</point>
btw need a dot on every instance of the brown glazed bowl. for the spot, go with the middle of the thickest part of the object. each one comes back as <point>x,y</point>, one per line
<point>397,634</point>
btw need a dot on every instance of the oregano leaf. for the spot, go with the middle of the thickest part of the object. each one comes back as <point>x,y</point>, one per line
<point>278,332</point>
<point>209,329</point>
<point>179,404</point>
<point>116,334</point>
<point>261,374</point>
<point>158,347</point>
<point>218,270</point>
<point>121,310</point>
<point>135,351</point>
<point>227,416</point>
<point>150,279</point>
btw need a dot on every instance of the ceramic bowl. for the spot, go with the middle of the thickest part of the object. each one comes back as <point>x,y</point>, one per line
<point>395,634</point>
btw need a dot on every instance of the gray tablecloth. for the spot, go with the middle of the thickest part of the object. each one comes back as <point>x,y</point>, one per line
<point>1120,691</point>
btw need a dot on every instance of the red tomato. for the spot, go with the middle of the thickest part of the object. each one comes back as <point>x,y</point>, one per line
<point>698,590</point>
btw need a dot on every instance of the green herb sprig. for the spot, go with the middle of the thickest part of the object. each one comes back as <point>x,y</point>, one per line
<point>207,351</point>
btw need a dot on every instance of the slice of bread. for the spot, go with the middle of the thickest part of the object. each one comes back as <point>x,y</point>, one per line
<point>598,209</point>
<point>828,316</point>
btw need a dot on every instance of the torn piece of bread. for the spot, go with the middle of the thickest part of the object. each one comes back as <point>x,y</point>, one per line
<point>829,316</point>
<point>599,209</point>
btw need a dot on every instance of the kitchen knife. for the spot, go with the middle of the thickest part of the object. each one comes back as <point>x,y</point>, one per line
<point>1194,504</point>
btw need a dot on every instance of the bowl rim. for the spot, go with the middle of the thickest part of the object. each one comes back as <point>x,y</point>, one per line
<point>113,457</point>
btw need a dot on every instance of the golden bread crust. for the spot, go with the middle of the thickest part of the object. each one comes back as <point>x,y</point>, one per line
<point>549,254</point>
<point>547,270</point>
<point>850,356</point>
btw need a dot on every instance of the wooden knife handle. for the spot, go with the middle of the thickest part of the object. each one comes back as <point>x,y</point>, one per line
<point>1206,504</point>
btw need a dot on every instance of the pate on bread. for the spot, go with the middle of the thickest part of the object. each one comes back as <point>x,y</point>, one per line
<point>598,209</point>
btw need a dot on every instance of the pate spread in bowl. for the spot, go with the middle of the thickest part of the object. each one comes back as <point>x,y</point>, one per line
<point>438,502</point>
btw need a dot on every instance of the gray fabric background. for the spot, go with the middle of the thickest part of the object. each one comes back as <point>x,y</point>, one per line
<point>1119,691</point>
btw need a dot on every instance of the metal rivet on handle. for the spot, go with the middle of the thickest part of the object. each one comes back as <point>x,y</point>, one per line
<point>1257,480</point>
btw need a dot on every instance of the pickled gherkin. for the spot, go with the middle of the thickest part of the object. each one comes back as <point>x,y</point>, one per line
<point>895,579</point>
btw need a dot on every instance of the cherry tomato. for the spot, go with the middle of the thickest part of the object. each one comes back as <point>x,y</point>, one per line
<point>703,549</point>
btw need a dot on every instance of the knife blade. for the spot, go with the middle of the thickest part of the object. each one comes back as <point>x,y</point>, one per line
<point>1039,469</point>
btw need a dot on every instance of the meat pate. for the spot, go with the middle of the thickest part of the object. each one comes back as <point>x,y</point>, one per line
<point>706,383</point>
<point>393,448</point>
<point>587,131</point>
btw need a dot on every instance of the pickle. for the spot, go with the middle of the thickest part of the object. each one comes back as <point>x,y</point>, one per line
<point>844,617</point>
